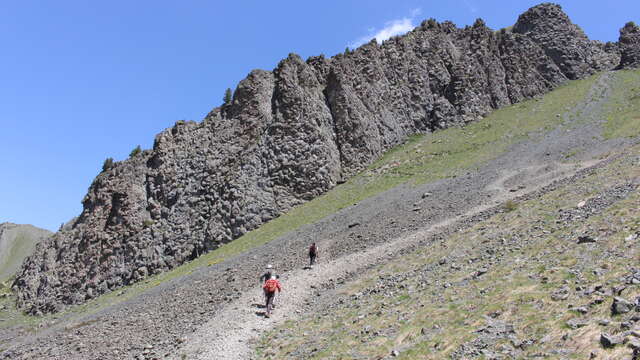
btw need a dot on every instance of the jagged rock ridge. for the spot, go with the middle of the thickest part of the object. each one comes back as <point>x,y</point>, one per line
<point>290,135</point>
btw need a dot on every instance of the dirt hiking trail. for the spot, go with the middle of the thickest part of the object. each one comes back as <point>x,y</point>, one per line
<point>231,333</point>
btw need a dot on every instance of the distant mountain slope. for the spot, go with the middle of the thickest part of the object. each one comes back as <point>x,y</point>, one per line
<point>292,134</point>
<point>16,243</point>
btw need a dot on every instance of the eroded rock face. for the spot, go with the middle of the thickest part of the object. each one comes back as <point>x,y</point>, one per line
<point>630,46</point>
<point>564,42</point>
<point>290,135</point>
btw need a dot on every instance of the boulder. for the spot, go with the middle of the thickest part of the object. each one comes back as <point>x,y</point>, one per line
<point>620,306</point>
<point>609,341</point>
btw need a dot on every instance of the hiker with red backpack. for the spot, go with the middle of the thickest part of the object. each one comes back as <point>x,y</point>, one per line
<point>266,276</point>
<point>270,287</point>
<point>313,253</point>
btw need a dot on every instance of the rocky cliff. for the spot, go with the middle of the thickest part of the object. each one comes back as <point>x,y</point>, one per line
<point>290,135</point>
<point>630,45</point>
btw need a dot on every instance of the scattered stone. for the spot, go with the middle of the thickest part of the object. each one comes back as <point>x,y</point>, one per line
<point>598,272</point>
<point>618,290</point>
<point>481,271</point>
<point>609,341</point>
<point>580,309</point>
<point>352,225</point>
<point>620,306</point>
<point>634,344</point>
<point>585,239</point>
<point>596,301</point>
<point>426,195</point>
<point>560,294</point>
<point>577,323</point>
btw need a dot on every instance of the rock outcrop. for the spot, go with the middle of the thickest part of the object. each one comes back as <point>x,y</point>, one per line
<point>630,46</point>
<point>564,42</point>
<point>290,135</point>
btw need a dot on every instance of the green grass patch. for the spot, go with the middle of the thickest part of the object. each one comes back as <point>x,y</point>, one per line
<point>623,113</point>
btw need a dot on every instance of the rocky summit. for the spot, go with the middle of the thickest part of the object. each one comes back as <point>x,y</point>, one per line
<point>291,134</point>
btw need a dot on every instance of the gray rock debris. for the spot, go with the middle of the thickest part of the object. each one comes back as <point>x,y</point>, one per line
<point>292,134</point>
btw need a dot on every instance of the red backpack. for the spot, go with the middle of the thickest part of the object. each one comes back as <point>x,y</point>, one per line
<point>271,285</point>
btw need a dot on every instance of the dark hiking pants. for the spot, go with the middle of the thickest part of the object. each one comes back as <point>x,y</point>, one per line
<point>269,304</point>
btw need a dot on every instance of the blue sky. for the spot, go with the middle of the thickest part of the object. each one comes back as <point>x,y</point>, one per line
<point>85,80</point>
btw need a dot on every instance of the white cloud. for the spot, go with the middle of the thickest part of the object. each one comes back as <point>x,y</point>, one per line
<point>471,6</point>
<point>391,28</point>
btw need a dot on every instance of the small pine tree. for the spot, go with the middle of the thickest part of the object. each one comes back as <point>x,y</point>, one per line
<point>137,150</point>
<point>228,96</point>
<point>107,164</point>
<point>347,51</point>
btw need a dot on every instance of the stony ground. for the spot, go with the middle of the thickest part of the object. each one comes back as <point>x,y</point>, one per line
<point>213,309</point>
<point>561,286</point>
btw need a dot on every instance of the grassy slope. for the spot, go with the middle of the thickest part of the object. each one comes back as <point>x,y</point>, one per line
<point>623,118</point>
<point>21,246</point>
<point>530,244</point>
<point>422,158</point>
<point>20,242</point>
<point>534,252</point>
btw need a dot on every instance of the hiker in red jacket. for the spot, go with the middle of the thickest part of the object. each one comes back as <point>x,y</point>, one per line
<point>270,287</point>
